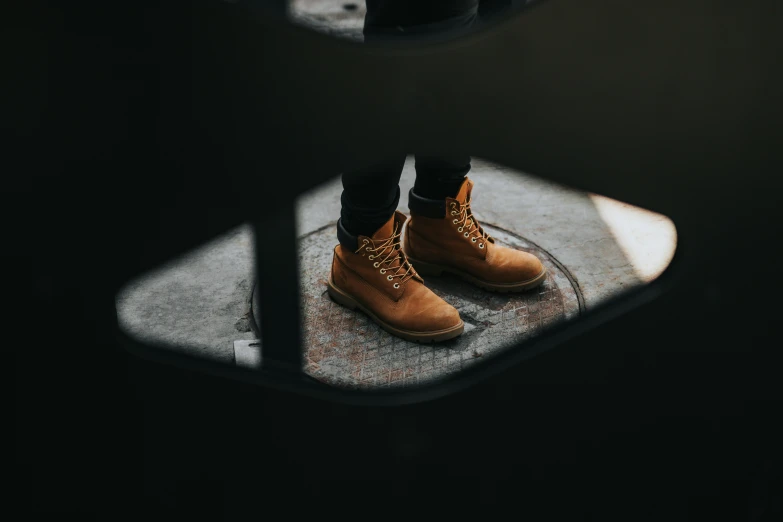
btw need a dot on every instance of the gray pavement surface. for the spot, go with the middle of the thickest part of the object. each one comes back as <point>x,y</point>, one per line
<point>336,18</point>
<point>199,303</point>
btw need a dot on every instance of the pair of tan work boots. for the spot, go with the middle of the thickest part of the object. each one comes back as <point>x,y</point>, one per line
<point>382,278</point>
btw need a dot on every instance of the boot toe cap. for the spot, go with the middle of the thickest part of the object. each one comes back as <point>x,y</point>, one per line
<point>432,314</point>
<point>444,317</point>
<point>531,268</point>
<point>518,267</point>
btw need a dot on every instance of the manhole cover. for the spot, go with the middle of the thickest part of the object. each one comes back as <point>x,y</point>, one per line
<point>345,348</point>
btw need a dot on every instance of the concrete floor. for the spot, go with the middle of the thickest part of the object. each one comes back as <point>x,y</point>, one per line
<point>343,19</point>
<point>199,303</point>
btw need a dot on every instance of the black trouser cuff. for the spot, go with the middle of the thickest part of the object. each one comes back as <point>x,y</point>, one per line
<point>346,239</point>
<point>431,208</point>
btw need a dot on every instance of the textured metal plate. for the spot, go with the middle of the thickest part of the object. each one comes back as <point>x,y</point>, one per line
<point>345,348</point>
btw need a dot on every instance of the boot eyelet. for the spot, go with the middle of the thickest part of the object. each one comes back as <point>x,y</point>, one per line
<point>455,221</point>
<point>466,234</point>
<point>459,229</point>
<point>371,256</point>
<point>389,278</point>
<point>473,239</point>
<point>376,264</point>
<point>365,241</point>
<point>383,270</point>
<point>396,285</point>
<point>481,245</point>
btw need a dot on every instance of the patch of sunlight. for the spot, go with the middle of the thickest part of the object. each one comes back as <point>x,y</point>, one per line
<point>647,239</point>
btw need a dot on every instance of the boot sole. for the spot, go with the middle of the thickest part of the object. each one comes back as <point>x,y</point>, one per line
<point>431,269</point>
<point>346,300</point>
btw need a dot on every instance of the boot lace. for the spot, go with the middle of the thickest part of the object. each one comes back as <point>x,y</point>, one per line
<point>389,249</point>
<point>468,224</point>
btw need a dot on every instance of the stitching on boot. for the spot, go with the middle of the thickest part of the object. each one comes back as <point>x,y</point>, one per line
<point>453,254</point>
<point>365,282</point>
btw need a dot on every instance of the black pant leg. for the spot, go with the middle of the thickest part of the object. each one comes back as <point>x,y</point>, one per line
<point>438,177</point>
<point>371,195</point>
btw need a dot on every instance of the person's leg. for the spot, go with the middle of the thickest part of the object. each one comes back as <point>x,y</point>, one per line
<point>370,196</point>
<point>443,235</point>
<point>370,271</point>
<point>439,177</point>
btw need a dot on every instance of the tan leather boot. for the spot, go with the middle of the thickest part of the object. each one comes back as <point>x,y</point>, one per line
<point>443,236</point>
<point>377,278</point>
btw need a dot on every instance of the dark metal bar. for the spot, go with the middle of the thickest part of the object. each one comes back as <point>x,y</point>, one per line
<point>277,286</point>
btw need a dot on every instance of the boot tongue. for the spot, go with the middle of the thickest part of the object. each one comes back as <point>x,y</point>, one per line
<point>463,196</point>
<point>464,191</point>
<point>384,233</point>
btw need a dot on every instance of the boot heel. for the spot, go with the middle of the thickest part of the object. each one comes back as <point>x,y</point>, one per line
<point>426,269</point>
<point>339,297</point>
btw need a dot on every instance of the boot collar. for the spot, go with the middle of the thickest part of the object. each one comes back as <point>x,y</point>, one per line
<point>346,239</point>
<point>431,208</point>
<point>351,242</point>
<point>436,208</point>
